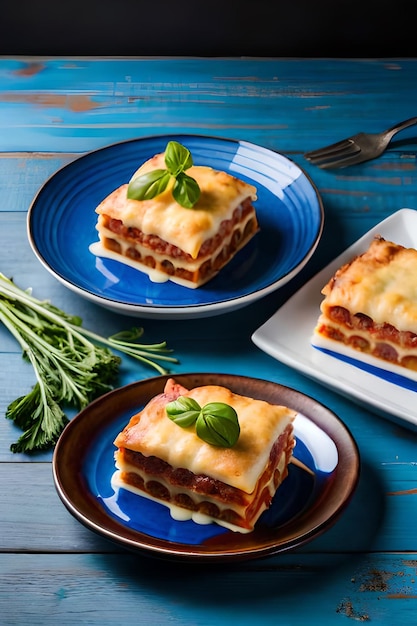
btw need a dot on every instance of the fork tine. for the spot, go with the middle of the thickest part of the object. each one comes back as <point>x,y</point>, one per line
<point>339,149</point>
<point>355,149</point>
<point>345,161</point>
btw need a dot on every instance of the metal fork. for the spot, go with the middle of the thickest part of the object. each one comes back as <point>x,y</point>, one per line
<point>356,149</point>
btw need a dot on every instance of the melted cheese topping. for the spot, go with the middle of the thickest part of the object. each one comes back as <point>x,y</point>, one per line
<point>381,283</point>
<point>187,229</point>
<point>152,433</point>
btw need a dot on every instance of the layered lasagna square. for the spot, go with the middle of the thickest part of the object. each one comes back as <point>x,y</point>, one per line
<point>169,242</point>
<point>230,486</point>
<point>370,304</point>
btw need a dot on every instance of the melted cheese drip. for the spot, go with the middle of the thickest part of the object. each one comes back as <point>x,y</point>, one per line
<point>155,276</point>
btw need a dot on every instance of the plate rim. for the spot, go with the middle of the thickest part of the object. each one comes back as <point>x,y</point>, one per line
<point>173,311</point>
<point>261,337</point>
<point>89,514</point>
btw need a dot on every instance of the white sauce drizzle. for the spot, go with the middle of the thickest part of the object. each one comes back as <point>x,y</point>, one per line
<point>155,276</point>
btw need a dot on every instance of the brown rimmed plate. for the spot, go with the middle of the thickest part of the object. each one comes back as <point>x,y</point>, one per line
<point>307,503</point>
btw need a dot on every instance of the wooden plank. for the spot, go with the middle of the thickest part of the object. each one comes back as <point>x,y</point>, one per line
<point>373,520</point>
<point>108,589</point>
<point>74,105</point>
<point>26,172</point>
<point>52,568</point>
<point>32,503</point>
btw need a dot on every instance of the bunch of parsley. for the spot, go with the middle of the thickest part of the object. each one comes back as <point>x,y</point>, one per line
<point>72,365</point>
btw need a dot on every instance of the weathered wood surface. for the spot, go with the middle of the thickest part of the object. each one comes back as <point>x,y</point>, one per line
<point>52,569</point>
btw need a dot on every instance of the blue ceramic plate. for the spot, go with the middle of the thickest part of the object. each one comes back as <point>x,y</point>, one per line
<point>62,218</point>
<point>306,504</point>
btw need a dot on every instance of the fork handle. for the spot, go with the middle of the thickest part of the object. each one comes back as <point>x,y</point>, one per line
<point>400,126</point>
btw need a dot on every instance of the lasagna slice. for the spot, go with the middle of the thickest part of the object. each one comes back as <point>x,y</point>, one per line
<point>370,305</point>
<point>170,242</point>
<point>230,486</point>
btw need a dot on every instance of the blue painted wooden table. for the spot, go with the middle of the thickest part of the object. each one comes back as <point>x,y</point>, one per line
<point>54,570</point>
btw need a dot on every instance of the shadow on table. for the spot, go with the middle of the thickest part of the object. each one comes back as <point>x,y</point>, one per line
<point>336,554</point>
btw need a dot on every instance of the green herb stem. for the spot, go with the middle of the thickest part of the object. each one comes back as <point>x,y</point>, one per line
<point>137,351</point>
<point>68,364</point>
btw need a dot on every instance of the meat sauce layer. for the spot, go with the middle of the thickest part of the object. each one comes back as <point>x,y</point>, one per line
<point>381,337</point>
<point>155,243</point>
<point>204,485</point>
<point>209,265</point>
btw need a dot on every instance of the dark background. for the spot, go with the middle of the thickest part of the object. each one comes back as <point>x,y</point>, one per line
<point>293,28</point>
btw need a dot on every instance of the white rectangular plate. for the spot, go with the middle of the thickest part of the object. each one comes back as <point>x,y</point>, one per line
<point>287,335</point>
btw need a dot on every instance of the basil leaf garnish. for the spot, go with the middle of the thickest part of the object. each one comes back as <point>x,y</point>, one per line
<point>216,423</point>
<point>177,158</point>
<point>148,185</point>
<point>183,411</point>
<point>185,190</point>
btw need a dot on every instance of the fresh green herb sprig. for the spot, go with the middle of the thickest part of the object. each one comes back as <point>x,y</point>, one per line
<point>70,368</point>
<point>216,423</point>
<point>185,189</point>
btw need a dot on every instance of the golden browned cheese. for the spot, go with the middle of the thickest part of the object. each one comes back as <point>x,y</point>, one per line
<point>185,228</point>
<point>381,283</point>
<point>152,433</point>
